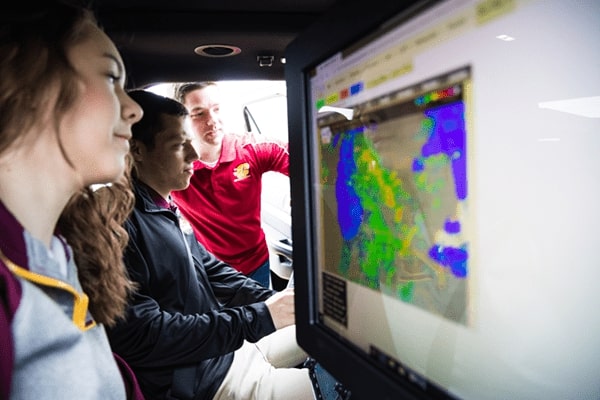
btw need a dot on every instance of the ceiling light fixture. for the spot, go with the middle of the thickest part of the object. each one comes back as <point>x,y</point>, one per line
<point>217,50</point>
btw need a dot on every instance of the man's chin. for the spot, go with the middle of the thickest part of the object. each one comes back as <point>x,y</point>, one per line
<point>183,185</point>
<point>213,138</point>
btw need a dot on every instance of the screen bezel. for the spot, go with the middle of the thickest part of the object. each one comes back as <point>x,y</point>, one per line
<point>340,25</point>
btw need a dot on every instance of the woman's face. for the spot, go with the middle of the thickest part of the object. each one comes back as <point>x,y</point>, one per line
<point>95,132</point>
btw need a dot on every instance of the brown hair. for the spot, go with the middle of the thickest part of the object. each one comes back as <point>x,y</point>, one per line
<point>33,54</point>
<point>33,67</point>
<point>92,222</point>
<point>180,90</point>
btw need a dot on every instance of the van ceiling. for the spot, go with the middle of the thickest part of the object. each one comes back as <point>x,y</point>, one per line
<point>157,38</point>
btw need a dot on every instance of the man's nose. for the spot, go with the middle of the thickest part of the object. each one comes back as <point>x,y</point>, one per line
<point>191,153</point>
<point>210,121</point>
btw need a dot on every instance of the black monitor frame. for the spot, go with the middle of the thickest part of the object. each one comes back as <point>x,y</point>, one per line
<point>527,79</point>
<point>344,24</point>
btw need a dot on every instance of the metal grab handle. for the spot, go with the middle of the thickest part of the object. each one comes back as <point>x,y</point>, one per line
<point>282,248</point>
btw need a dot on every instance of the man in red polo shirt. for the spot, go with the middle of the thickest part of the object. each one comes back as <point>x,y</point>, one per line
<point>223,200</point>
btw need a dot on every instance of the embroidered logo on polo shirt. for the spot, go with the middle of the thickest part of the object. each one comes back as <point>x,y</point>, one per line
<point>241,172</point>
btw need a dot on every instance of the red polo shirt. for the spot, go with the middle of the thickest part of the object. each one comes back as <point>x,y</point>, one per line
<point>223,203</point>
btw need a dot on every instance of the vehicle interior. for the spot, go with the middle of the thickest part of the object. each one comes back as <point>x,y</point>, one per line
<point>165,42</point>
<point>412,286</point>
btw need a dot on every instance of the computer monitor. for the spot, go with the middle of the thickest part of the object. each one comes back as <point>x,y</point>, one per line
<point>445,177</point>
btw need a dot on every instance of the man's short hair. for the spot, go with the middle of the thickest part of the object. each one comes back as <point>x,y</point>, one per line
<point>181,90</point>
<point>154,106</point>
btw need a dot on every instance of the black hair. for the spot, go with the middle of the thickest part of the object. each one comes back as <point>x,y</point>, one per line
<point>154,106</point>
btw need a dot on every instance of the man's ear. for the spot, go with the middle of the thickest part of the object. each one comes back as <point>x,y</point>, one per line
<point>136,148</point>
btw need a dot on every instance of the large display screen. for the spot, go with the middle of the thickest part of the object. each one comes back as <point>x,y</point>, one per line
<point>449,192</point>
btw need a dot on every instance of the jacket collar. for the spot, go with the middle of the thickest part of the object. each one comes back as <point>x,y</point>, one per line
<point>148,200</point>
<point>12,240</point>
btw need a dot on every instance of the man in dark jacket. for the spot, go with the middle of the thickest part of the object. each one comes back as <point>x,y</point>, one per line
<point>196,328</point>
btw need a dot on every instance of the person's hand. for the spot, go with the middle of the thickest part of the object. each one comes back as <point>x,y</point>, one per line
<point>281,307</point>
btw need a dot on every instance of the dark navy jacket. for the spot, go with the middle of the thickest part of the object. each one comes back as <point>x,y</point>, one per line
<point>191,310</point>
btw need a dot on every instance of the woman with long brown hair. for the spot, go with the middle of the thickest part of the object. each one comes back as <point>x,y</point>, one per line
<point>65,125</point>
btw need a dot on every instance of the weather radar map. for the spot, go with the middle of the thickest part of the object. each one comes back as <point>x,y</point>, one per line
<point>394,199</point>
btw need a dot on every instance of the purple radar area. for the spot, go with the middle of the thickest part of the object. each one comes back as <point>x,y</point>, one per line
<point>448,137</point>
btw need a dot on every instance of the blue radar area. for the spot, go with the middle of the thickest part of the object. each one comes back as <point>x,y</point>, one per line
<point>350,210</point>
